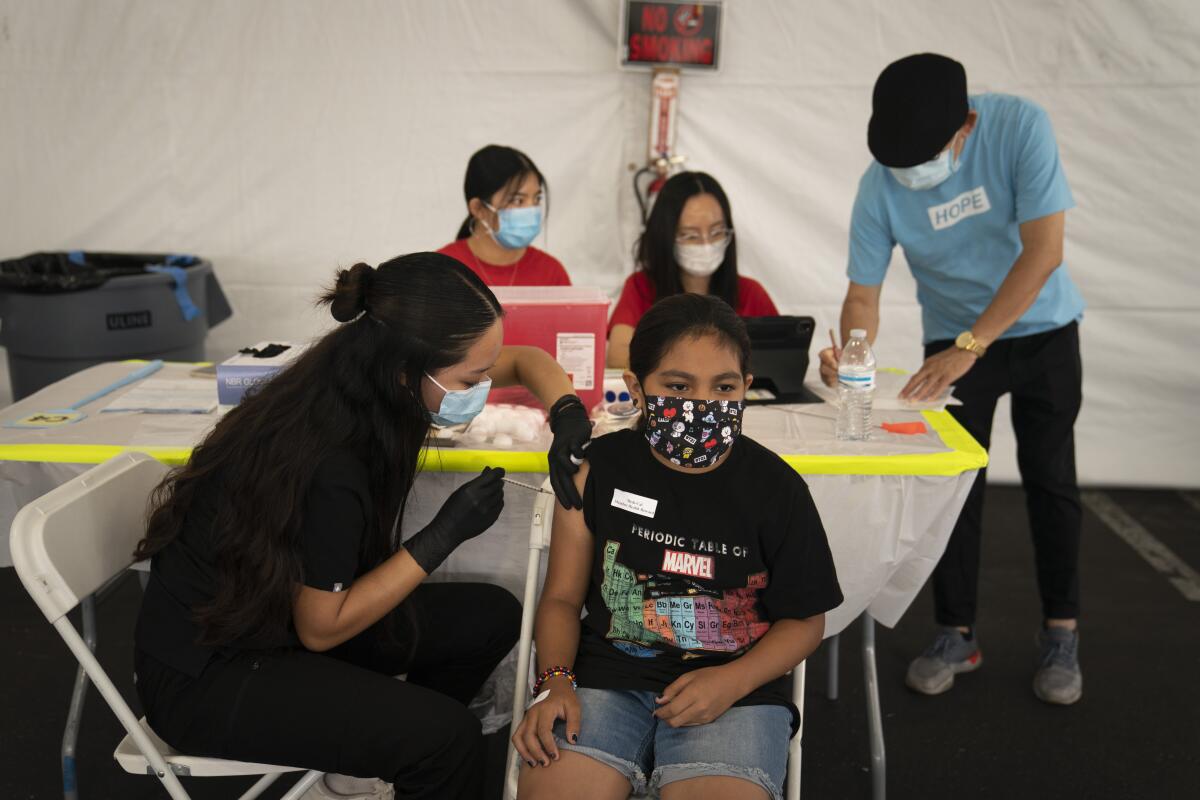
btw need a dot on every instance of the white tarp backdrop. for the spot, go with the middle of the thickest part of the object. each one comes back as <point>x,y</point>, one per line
<point>285,139</point>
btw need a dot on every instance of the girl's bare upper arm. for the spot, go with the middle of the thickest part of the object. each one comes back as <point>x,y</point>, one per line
<point>618,346</point>
<point>504,371</point>
<point>571,546</point>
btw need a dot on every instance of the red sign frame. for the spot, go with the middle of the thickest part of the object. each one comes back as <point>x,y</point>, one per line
<point>671,34</point>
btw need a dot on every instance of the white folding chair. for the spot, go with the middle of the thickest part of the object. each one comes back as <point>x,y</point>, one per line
<point>540,528</point>
<point>68,544</point>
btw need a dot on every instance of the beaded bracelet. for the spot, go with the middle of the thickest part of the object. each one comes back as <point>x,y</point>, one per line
<point>554,672</point>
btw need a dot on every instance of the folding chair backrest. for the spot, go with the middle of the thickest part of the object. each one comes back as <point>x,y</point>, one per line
<point>72,540</point>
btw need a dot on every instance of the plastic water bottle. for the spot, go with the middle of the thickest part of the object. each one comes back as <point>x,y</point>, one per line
<point>856,388</point>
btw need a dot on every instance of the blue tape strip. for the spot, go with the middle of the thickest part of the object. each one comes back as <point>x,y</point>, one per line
<point>186,306</point>
<point>76,257</point>
<point>68,767</point>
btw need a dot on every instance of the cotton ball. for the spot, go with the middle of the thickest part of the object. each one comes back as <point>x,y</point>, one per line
<point>510,423</point>
<point>482,427</point>
<point>525,432</point>
<point>535,421</point>
<point>502,440</point>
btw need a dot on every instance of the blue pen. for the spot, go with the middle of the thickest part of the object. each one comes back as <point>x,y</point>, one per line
<point>136,375</point>
<point>61,416</point>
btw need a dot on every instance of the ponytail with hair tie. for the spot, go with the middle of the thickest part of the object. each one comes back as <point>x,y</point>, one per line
<point>350,296</point>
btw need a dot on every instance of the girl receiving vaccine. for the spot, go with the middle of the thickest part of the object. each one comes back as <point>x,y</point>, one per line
<point>706,575</point>
<point>506,207</point>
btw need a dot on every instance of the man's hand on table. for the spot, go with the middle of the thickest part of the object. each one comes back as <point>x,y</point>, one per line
<point>829,363</point>
<point>937,374</point>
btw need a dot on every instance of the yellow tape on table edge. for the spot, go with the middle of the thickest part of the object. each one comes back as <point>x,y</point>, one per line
<point>965,454</point>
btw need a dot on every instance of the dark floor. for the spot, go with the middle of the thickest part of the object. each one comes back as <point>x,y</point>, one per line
<point>1135,734</point>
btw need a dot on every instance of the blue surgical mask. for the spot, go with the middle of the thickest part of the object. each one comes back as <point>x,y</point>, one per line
<point>518,226</point>
<point>460,406</point>
<point>930,174</point>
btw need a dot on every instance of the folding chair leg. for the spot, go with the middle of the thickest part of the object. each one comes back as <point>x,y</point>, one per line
<point>302,786</point>
<point>833,643</point>
<point>796,746</point>
<point>520,689</point>
<point>71,731</point>
<point>260,786</point>
<point>874,710</point>
<point>129,722</point>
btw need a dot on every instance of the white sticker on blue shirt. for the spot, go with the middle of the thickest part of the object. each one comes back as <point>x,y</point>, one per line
<point>645,506</point>
<point>967,204</point>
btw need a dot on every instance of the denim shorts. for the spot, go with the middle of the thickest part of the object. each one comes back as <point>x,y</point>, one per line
<point>617,728</point>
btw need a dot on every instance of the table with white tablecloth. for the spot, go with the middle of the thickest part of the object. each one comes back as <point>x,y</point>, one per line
<point>888,504</point>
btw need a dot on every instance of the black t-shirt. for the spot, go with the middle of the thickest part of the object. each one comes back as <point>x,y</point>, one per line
<point>690,570</point>
<point>337,514</point>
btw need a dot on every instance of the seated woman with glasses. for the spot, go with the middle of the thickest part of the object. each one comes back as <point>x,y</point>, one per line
<point>687,246</point>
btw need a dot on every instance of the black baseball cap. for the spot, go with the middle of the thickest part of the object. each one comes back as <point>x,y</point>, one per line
<point>918,104</point>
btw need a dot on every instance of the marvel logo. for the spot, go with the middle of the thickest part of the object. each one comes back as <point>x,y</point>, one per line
<point>689,564</point>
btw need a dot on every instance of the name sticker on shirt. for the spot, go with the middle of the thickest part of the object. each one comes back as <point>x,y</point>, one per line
<point>967,204</point>
<point>637,504</point>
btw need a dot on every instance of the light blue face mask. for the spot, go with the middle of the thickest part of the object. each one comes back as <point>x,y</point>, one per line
<point>460,406</point>
<point>931,173</point>
<point>518,226</point>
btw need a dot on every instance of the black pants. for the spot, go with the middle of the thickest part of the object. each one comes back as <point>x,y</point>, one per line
<point>1044,374</point>
<point>343,712</point>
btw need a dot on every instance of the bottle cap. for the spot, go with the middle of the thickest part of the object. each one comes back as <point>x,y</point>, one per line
<point>858,333</point>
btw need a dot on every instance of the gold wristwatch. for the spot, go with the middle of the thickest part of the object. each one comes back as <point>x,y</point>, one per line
<point>966,341</point>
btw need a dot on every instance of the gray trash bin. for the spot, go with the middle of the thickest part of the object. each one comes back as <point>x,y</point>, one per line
<point>62,312</point>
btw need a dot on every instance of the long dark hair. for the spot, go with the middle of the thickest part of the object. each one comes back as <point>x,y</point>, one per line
<point>683,316</point>
<point>493,168</point>
<point>358,388</point>
<point>655,250</point>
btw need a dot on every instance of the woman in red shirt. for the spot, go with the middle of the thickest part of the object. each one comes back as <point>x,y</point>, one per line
<point>505,195</point>
<point>688,246</point>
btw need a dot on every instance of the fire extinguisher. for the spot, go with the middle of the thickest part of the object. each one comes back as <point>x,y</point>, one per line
<point>664,109</point>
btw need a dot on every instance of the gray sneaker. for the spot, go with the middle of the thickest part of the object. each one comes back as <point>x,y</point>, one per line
<point>933,672</point>
<point>1058,679</point>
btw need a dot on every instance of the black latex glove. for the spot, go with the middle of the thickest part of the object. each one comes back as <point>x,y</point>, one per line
<point>468,511</point>
<point>572,432</point>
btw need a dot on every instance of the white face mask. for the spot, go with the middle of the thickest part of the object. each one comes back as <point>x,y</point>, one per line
<point>701,260</point>
<point>930,174</point>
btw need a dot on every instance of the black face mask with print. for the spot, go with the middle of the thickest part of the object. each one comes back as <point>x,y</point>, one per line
<point>692,433</point>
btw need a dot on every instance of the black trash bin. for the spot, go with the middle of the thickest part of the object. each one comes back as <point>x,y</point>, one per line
<point>61,312</point>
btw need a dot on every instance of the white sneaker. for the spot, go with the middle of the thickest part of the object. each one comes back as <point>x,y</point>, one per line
<point>380,790</point>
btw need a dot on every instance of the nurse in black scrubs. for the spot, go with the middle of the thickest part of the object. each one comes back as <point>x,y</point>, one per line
<point>280,601</point>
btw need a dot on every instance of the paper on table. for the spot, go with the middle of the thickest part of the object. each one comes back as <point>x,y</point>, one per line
<point>888,383</point>
<point>165,396</point>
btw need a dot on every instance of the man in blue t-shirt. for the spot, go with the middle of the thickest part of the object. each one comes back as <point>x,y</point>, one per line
<point>972,189</point>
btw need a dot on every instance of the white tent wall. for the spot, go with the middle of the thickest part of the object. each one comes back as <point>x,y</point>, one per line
<point>285,139</point>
